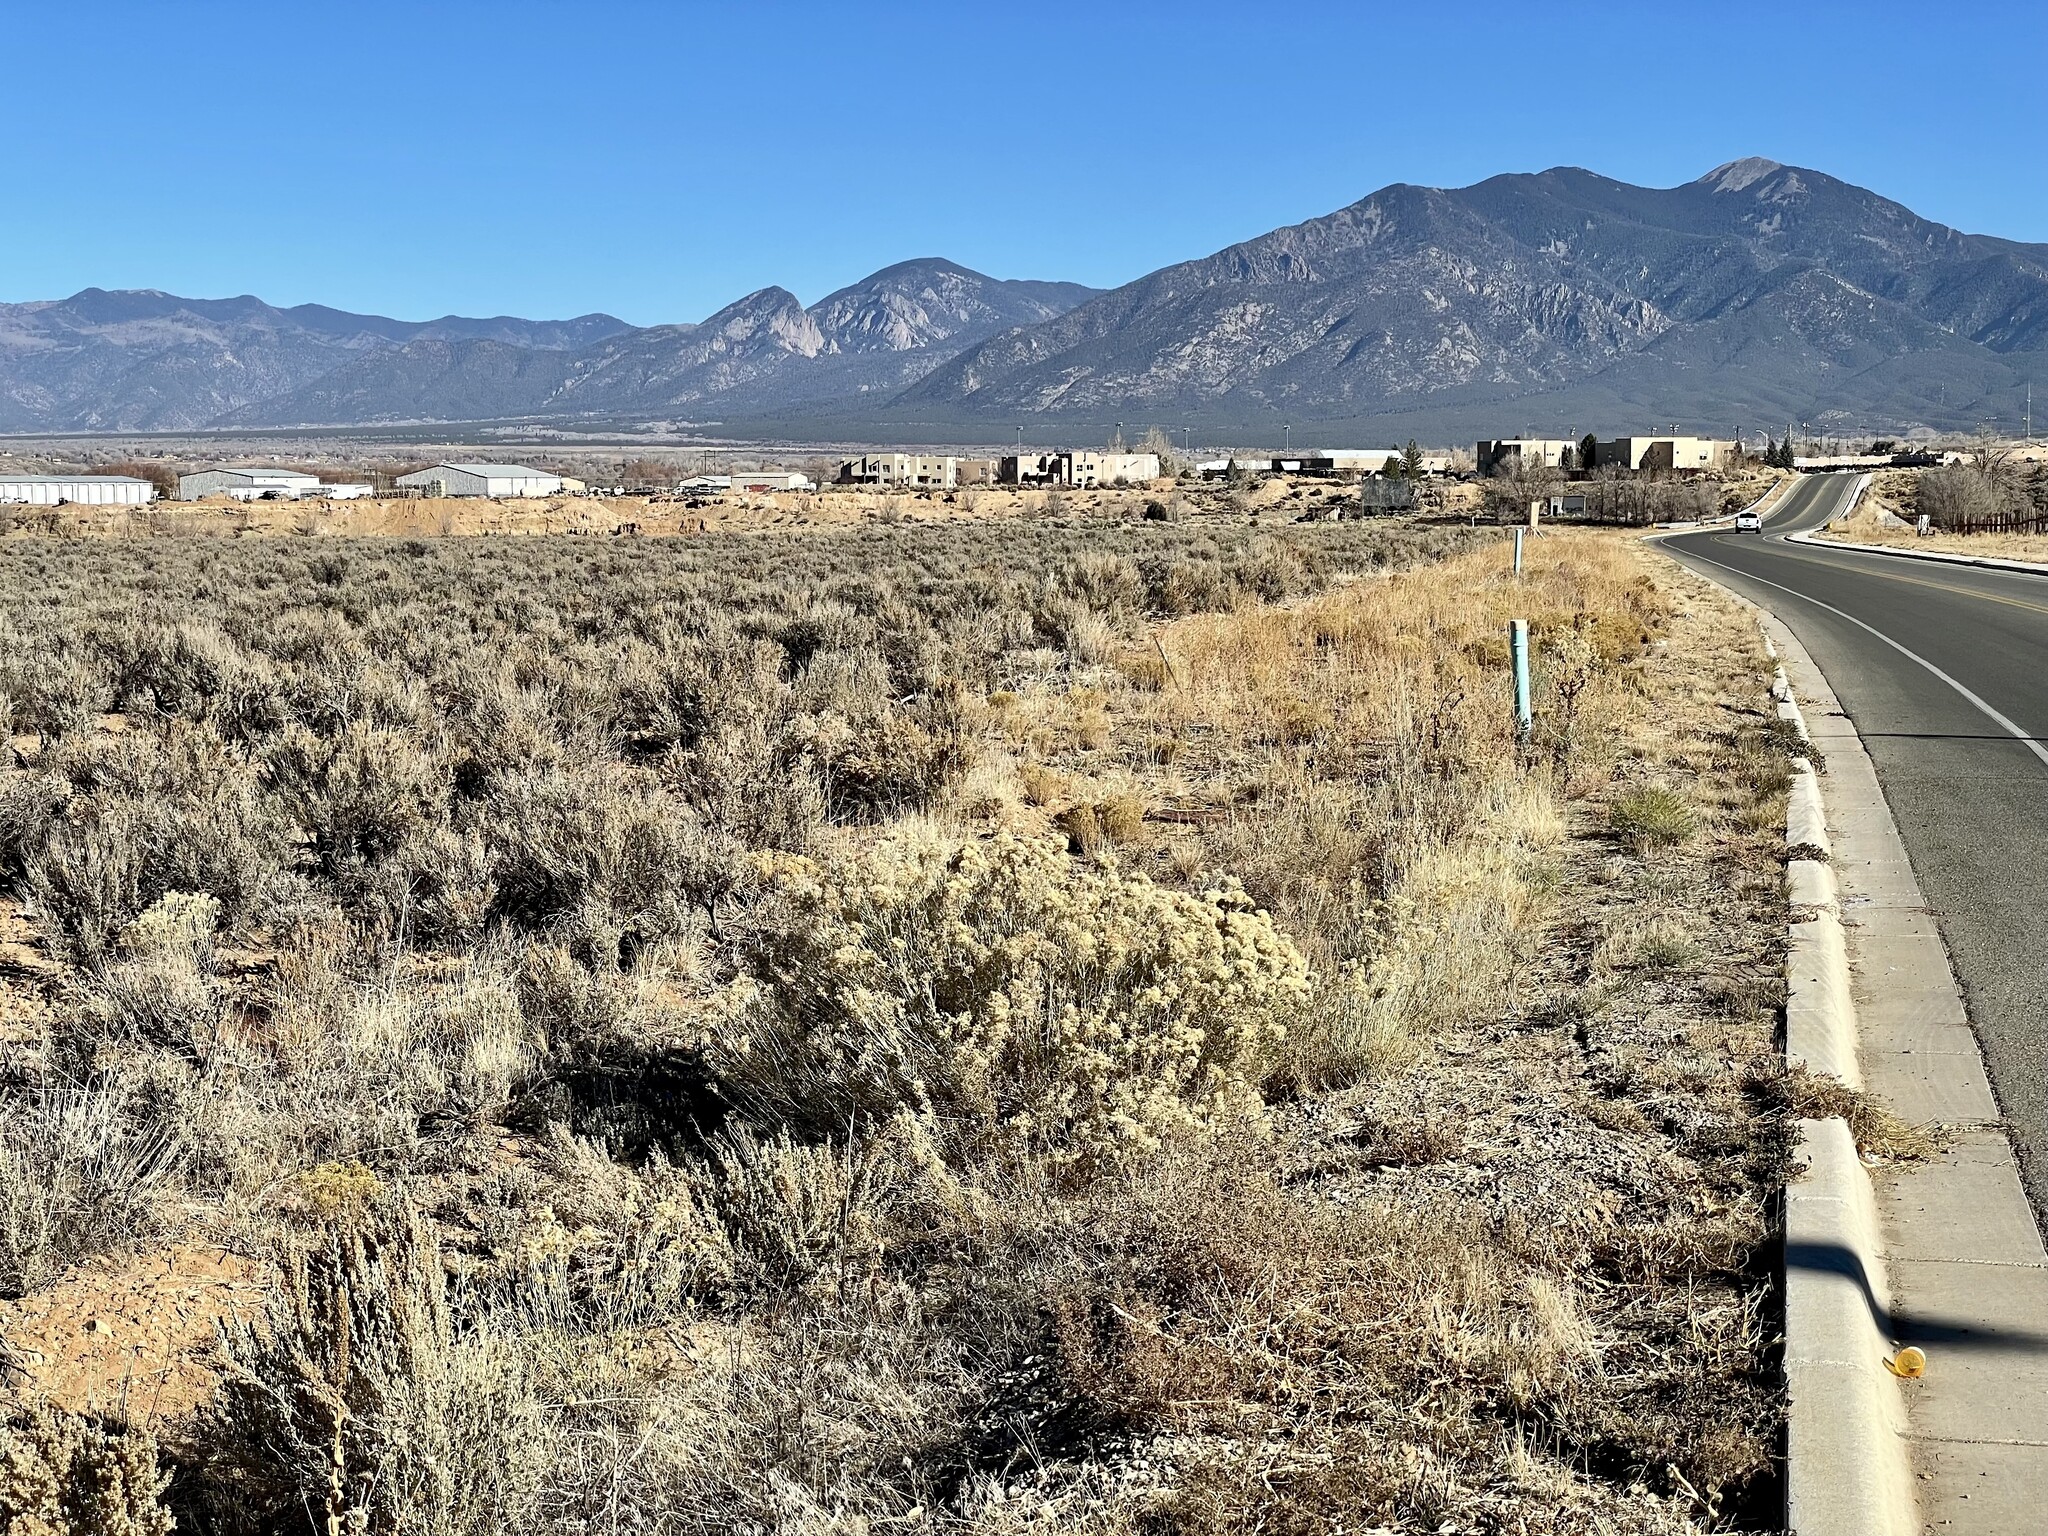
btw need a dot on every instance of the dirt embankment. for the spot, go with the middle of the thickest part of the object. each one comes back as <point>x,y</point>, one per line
<point>675,516</point>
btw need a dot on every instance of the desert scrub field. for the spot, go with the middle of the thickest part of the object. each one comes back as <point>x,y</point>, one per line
<point>1024,1027</point>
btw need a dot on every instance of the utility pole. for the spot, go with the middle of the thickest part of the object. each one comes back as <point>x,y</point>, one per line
<point>1286,439</point>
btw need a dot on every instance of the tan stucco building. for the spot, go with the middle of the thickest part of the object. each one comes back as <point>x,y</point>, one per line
<point>1655,453</point>
<point>915,470</point>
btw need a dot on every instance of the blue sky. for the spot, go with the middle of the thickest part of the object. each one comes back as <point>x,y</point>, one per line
<point>657,161</point>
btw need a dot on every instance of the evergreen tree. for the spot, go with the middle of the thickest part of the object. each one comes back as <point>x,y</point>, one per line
<point>1589,450</point>
<point>1411,460</point>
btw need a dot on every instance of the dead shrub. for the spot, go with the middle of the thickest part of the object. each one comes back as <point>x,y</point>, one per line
<point>1042,785</point>
<point>84,1170</point>
<point>1122,818</point>
<point>358,1397</point>
<point>1083,828</point>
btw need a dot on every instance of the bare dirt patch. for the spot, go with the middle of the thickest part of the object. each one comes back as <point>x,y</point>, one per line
<point>130,1338</point>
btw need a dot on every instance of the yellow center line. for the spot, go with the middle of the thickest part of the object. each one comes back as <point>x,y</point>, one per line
<point>1917,581</point>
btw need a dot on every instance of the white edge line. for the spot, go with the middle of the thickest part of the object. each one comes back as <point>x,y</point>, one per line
<point>2004,722</point>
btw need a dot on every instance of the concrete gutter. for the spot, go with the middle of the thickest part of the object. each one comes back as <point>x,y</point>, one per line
<point>1846,1464</point>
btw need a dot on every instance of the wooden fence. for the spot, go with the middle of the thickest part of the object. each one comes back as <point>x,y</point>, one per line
<point>2000,522</point>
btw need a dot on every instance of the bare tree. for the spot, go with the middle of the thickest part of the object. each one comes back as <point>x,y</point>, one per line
<point>1517,482</point>
<point>1158,442</point>
<point>1959,494</point>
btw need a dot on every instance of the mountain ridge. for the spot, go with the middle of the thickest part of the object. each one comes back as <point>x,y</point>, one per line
<point>1531,286</point>
<point>1757,292</point>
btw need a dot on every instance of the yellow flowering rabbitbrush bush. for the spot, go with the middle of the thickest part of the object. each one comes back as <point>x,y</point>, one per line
<point>1016,998</point>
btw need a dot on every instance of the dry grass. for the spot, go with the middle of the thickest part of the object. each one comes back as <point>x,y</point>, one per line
<point>1886,516</point>
<point>1050,1030</point>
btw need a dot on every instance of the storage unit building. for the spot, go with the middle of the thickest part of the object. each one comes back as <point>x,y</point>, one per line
<point>481,480</point>
<point>771,480</point>
<point>76,490</point>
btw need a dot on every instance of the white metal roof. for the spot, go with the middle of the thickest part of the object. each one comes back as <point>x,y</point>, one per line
<point>501,471</point>
<point>70,480</point>
<point>259,474</point>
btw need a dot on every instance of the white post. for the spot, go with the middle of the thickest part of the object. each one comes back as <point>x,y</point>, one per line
<point>1518,551</point>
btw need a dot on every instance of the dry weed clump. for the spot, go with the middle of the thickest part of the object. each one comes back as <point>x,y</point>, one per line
<point>1653,817</point>
<point>805,1033</point>
<point>1014,1001</point>
<point>62,1474</point>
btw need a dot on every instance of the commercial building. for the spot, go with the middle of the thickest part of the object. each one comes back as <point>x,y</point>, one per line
<point>1367,461</point>
<point>493,480</point>
<point>915,470</point>
<point>1665,453</point>
<point>245,483</point>
<point>76,490</point>
<point>1077,469</point>
<point>1110,468</point>
<point>255,484</point>
<point>1350,461</point>
<point>771,480</point>
<point>1498,455</point>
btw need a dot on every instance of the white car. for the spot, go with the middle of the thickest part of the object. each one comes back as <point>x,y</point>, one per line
<point>1749,522</point>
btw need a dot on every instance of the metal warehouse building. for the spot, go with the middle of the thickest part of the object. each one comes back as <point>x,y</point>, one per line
<point>481,480</point>
<point>254,484</point>
<point>76,490</point>
<point>245,483</point>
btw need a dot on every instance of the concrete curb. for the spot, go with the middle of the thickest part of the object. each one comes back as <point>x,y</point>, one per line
<point>1846,1468</point>
<point>1820,1013</point>
<point>1939,557</point>
<point>1847,1472</point>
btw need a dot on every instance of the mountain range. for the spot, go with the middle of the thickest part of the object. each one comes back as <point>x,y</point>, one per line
<point>1758,294</point>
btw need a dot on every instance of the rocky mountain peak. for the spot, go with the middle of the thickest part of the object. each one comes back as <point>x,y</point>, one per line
<point>1740,175</point>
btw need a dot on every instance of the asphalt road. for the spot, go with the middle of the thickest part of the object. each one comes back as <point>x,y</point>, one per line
<point>1944,670</point>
